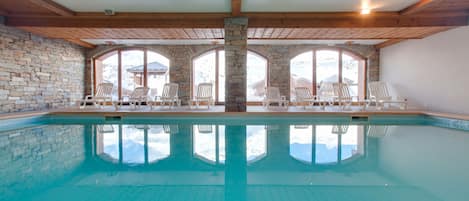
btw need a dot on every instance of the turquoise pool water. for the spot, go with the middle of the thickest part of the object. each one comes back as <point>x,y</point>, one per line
<point>412,158</point>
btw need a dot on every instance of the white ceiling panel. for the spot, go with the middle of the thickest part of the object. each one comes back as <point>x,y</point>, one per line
<point>323,5</point>
<point>147,5</point>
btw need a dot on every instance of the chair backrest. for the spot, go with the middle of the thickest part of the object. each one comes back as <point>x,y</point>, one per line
<point>341,90</point>
<point>303,93</point>
<point>140,92</point>
<point>272,93</point>
<point>204,90</point>
<point>104,90</point>
<point>170,90</point>
<point>378,90</point>
<point>326,90</point>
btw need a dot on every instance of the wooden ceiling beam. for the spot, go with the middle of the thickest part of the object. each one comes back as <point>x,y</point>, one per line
<point>235,8</point>
<point>54,7</point>
<point>80,43</point>
<point>417,7</point>
<point>388,43</point>
<point>216,20</point>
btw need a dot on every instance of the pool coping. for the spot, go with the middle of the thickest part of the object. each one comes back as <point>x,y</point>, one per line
<point>17,115</point>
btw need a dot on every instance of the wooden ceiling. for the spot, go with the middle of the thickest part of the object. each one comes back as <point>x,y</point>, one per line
<point>253,33</point>
<point>47,18</point>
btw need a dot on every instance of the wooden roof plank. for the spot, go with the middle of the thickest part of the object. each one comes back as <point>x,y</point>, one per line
<point>54,7</point>
<point>417,7</point>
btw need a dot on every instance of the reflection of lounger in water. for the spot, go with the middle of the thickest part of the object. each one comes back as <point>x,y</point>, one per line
<point>205,128</point>
<point>105,128</point>
<point>339,129</point>
<point>377,131</point>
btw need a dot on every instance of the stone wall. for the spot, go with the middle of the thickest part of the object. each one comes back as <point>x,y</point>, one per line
<point>37,156</point>
<point>38,73</point>
<point>278,57</point>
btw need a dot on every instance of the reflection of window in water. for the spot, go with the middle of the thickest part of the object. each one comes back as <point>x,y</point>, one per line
<point>140,143</point>
<point>256,143</point>
<point>108,136</point>
<point>326,144</point>
<point>209,143</point>
<point>158,143</point>
<point>133,150</point>
<point>301,139</point>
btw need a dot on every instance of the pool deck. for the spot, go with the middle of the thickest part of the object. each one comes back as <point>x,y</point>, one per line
<point>220,110</point>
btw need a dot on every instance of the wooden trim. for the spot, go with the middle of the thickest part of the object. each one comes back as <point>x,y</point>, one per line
<point>365,76</point>
<point>94,76</point>
<point>419,6</point>
<point>54,7</point>
<point>119,73</point>
<point>256,20</point>
<point>388,43</point>
<point>217,71</point>
<point>81,43</point>
<point>145,68</point>
<point>340,66</point>
<point>315,85</point>
<point>235,7</point>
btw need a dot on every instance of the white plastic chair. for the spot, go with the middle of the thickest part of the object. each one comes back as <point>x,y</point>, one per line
<point>135,99</point>
<point>379,94</point>
<point>326,94</point>
<point>342,95</point>
<point>304,97</point>
<point>272,95</point>
<point>101,97</point>
<point>169,96</point>
<point>204,94</point>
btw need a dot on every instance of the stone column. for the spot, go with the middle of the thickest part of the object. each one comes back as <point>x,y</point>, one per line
<point>235,63</point>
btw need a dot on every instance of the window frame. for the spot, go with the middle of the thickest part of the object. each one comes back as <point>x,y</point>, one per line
<point>118,51</point>
<point>314,86</point>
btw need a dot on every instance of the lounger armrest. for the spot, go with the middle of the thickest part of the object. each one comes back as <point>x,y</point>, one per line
<point>400,98</point>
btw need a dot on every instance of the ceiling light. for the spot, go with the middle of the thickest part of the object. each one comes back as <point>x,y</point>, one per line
<point>365,11</point>
<point>109,12</point>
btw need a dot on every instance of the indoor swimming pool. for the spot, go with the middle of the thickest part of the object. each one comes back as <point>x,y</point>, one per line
<point>234,158</point>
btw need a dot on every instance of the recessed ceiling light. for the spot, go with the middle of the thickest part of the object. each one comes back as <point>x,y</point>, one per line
<point>365,11</point>
<point>109,12</point>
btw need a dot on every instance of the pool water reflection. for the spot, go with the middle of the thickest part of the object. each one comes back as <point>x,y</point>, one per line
<point>211,161</point>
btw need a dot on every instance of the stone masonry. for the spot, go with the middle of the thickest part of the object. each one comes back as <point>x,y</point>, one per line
<point>235,62</point>
<point>38,73</point>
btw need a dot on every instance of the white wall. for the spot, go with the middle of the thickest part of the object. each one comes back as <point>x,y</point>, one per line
<point>432,73</point>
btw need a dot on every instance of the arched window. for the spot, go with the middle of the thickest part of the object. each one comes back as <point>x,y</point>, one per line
<point>210,67</point>
<point>310,68</point>
<point>131,68</point>
<point>326,144</point>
